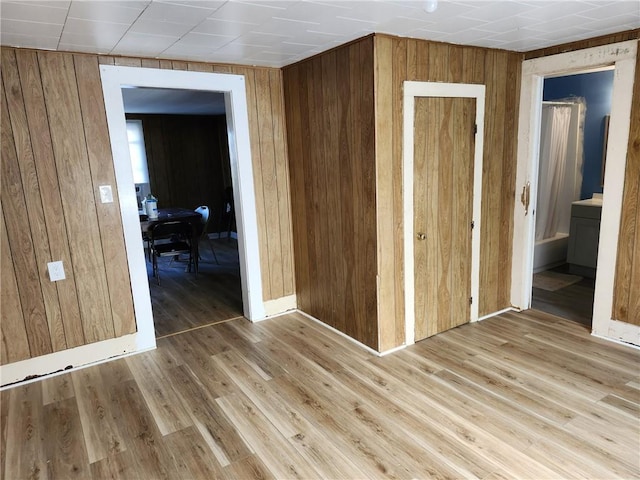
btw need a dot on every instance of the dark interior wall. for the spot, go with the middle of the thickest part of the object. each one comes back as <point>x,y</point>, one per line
<point>596,88</point>
<point>188,160</point>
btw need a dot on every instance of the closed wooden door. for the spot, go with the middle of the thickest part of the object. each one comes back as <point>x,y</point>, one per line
<point>444,142</point>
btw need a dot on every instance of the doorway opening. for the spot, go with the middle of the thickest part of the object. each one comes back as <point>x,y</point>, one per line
<point>232,87</point>
<point>623,56</point>
<point>572,149</point>
<point>180,155</point>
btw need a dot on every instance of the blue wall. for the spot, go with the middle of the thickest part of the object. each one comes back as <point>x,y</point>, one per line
<point>596,88</point>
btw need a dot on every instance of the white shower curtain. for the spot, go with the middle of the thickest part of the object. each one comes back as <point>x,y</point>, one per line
<point>554,136</point>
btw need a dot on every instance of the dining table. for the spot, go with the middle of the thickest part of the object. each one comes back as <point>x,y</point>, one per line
<point>175,214</point>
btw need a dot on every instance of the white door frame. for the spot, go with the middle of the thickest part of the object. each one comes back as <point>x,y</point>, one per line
<point>623,56</point>
<point>233,87</point>
<point>437,89</point>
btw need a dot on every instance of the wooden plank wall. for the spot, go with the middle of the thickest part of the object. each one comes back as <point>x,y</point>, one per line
<point>626,298</point>
<point>591,42</point>
<point>188,160</point>
<point>55,154</point>
<point>400,59</point>
<point>329,110</point>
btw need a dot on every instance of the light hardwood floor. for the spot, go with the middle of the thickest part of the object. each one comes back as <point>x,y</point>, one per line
<point>517,396</point>
<point>184,301</point>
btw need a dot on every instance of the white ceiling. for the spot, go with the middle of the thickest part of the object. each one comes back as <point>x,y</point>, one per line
<point>280,32</point>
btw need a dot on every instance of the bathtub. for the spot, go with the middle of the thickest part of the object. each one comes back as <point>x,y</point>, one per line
<point>550,252</point>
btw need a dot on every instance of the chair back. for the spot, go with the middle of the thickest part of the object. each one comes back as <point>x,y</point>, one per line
<point>204,211</point>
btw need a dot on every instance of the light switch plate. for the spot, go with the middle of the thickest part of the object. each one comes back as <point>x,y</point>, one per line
<point>56,271</point>
<point>106,195</point>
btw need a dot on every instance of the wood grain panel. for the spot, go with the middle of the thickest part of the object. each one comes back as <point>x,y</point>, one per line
<point>268,98</point>
<point>15,345</point>
<point>158,158</point>
<point>268,174</point>
<point>102,173</point>
<point>328,188</point>
<point>369,200</point>
<point>444,210</point>
<point>188,160</point>
<point>34,209</point>
<point>49,191</point>
<point>464,114</point>
<point>438,62</point>
<point>252,99</point>
<point>22,246</point>
<point>74,176</point>
<point>579,45</point>
<point>199,67</point>
<point>329,105</point>
<point>385,218</point>
<point>496,78</point>
<point>294,115</point>
<point>425,260</point>
<point>127,62</point>
<point>507,183</point>
<point>400,51</point>
<point>626,301</point>
<point>282,177</point>
<point>146,63</point>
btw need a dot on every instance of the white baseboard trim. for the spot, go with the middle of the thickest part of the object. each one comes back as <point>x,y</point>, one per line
<point>392,350</point>
<point>617,331</point>
<point>52,364</point>
<point>499,312</point>
<point>615,340</point>
<point>280,306</point>
<point>342,334</point>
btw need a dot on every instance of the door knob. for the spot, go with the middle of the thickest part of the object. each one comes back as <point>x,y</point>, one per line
<point>421,236</point>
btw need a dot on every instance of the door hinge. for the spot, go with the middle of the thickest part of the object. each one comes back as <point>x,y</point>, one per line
<point>470,300</point>
<point>473,224</point>
<point>475,129</point>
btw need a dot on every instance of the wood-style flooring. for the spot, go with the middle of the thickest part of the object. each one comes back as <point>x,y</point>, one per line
<point>184,301</point>
<point>574,302</point>
<point>516,396</point>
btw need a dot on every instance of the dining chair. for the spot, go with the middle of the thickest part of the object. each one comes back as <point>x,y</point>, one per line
<point>171,239</point>
<point>206,216</point>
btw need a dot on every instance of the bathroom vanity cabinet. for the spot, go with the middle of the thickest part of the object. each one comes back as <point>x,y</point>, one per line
<point>584,234</point>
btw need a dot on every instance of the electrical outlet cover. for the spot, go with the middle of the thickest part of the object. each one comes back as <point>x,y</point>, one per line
<point>106,195</point>
<point>56,271</point>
